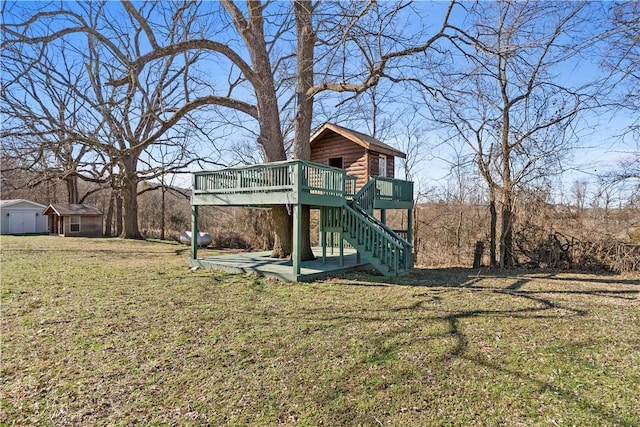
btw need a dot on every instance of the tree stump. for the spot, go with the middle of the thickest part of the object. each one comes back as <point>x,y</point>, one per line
<point>478,254</point>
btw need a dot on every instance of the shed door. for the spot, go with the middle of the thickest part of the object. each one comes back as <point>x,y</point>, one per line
<point>22,222</point>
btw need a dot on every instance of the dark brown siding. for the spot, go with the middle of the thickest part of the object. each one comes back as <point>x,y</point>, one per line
<point>354,160</point>
<point>374,165</point>
<point>391,166</point>
<point>90,226</point>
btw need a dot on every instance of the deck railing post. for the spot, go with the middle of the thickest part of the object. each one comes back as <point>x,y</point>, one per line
<point>297,176</point>
<point>194,232</point>
<point>341,249</point>
<point>297,238</point>
<point>297,219</point>
<point>410,226</point>
<point>323,233</point>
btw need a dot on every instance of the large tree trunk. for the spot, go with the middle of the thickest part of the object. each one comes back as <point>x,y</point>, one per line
<point>506,237</point>
<point>304,113</point>
<point>119,215</point>
<point>493,229</point>
<point>129,191</point>
<point>282,224</point>
<point>281,217</point>
<point>108,223</point>
<point>306,251</point>
<point>270,138</point>
<point>73,194</point>
<point>130,203</point>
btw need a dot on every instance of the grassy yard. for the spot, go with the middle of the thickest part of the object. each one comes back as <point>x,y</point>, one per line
<point>112,332</point>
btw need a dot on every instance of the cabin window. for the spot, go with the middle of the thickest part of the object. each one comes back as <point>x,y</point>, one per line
<point>74,223</point>
<point>382,166</point>
<point>336,162</point>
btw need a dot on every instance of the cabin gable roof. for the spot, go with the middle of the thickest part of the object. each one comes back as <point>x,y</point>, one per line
<point>63,209</point>
<point>365,141</point>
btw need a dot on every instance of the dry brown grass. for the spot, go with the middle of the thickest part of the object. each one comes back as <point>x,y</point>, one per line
<point>106,331</point>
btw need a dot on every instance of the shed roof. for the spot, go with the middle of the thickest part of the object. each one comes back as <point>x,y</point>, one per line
<point>70,209</point>
<point>366,141</point>
<point>15,202</point>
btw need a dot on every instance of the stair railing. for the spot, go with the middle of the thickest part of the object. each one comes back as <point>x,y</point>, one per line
<point>363,202</point>
<point>376,239</point>
<point>365,198</point>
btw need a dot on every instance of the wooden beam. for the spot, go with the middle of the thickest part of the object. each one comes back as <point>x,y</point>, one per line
<point>194,232</point>
<point>297,239</point>
<point>390,204</point>
<point>323,234</point>
<point>246,199</point>
<point>410,226</point>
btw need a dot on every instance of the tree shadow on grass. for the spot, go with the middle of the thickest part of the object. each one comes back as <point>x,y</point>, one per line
<point>469,278</point>
<point>545,299</point>
<point>383,347</point>
<point>565,393</point>
<point>605,279</point>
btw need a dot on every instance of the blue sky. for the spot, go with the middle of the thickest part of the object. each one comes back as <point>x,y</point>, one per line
<point>601,146</point>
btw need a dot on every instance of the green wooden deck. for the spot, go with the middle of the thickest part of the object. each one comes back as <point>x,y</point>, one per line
<point>262,264</point>
<point>343,210</point>
<point>278,183</point>
<point>292,182</point>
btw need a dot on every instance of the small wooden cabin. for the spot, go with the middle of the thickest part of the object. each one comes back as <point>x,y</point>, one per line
<point>360,155</point>
<point>72,220</point>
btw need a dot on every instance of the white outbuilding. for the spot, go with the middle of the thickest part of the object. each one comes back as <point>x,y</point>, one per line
<point>21,216</point>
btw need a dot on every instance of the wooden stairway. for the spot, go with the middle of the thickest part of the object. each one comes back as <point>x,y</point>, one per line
<point>383,248</point>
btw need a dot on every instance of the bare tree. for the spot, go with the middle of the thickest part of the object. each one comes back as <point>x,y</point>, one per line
<point>507,103</point>
<point>579,190</point>
<point>41,111</point>
<point>249,44</point>
<point>78,50</point>
<point>413,139</point>
<point>620,59</point>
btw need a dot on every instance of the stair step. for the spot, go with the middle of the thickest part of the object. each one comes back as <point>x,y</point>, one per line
<point>374,240</point>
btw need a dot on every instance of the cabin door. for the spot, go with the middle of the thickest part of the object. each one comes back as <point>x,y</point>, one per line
<point>382,166</point>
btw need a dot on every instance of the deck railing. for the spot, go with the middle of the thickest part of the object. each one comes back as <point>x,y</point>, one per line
<point>350,185</point>
<point>294,175</point>
<point>256,178</point>
<point>297,175</point>
<point>320,179</point>
<point>395,190</point>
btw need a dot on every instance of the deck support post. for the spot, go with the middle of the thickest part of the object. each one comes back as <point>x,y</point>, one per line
<point>297,238</point>
<point>331,241</point>
<point>341,250</point>
<point>323,234</point>
<point>323,243</point>
<point>410,226</point>
<point>383,216</point>
<point>194,232</point>
<point>296,246</point>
